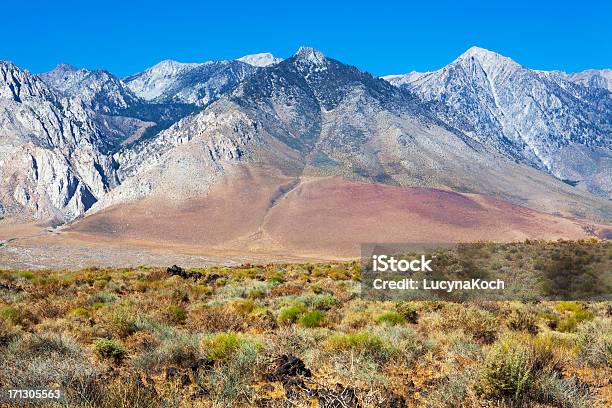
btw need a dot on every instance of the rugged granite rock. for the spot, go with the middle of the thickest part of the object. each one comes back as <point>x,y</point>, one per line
<point>51,160</point>
<point>548,120</point>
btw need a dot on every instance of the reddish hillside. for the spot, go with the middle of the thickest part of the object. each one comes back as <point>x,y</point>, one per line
<point>274,214</point>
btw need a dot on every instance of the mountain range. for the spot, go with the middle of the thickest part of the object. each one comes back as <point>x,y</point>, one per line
<point>307,152</point>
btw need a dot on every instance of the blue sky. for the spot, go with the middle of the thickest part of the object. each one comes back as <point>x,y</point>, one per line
<point>381,37</point>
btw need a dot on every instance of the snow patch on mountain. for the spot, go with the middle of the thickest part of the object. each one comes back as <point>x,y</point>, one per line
<point>264,59</point>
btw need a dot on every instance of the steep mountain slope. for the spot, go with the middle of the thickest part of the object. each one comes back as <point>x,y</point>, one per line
<point>536,117</point>
<point>50,150</point>
<point>192,83</point>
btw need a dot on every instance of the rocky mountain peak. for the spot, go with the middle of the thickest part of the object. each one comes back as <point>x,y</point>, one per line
<point>310,56</point>
<point>154,81</point>
<point>17,84</point>
<point>64,68</point>
<point>490,62</point>
<point>170,66</point>
<point>97,89</point>
<point>188,83</point>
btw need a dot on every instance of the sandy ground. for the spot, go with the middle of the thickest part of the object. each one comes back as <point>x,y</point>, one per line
<point>31,246</point>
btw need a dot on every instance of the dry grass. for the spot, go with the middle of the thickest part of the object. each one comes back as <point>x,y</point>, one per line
<point>143,338</point>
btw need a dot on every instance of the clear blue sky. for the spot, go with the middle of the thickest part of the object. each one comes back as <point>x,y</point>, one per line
<point>379,36</point>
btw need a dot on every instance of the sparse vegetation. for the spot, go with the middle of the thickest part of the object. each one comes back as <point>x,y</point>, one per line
<point>262,335</point>
<point>391,318</point>
<point>109,349</point>
<point>312,319</point>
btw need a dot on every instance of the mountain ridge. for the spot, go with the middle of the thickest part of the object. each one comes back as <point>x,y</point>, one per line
<point>545,122</point>
<point>176,130</point>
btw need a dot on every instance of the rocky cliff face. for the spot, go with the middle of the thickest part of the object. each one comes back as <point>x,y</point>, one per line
<point>50,155</point>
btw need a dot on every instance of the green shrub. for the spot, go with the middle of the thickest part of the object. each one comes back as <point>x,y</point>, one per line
<point>506,372</point>
<point>123,321</point>
<point>324,301</point>
<point>102,297</point>
<point>26,275</point>
<point>78,312</point>
<point>97,306</point>
<point>257,293</point>
<point>201,291</point>
<point>453,392</point>
<point>10,314</point>
<point>574,314</point>
<point>552,389</point>
<point>520,368</point>
<point>291,314</point>
<point>109,349</point>
<point>391,319</point>
<point>567,324</point>
<point>567,306</point>
<point>312,319</point>
<point>596,343</point>
<point>176,314</point>
<point>230,384</point>
<point>362,341</point>
<point>408,312</point>
<point>277,278</point>
<point>177,349</point>
<point>222,346</point>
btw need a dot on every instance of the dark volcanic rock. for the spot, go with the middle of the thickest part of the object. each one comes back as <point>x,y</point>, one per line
<point>290,366</point>
<point>175,270</point>
<point>212,277</point>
